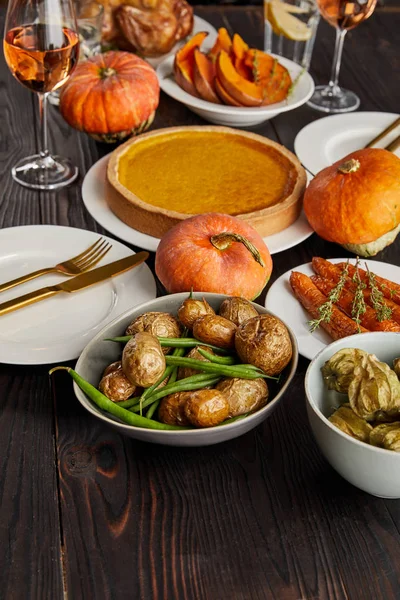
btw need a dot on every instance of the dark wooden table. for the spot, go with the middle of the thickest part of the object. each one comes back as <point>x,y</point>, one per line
<point>86,513</point>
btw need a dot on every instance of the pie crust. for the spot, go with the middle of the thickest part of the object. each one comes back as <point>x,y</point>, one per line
<point>261,165</point>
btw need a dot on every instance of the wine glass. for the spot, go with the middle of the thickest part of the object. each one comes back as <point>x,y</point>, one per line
<point>41,48</point>
<point>343,15</point>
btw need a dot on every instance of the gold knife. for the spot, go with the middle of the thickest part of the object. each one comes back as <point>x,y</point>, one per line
<point>76,283</point>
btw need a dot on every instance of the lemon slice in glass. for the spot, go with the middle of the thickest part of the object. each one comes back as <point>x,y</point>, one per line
<point>286,24</point>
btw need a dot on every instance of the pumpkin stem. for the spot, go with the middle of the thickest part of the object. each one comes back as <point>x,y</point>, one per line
<point>222,241</point>
<point>350,166</point>
<point>105,72</point>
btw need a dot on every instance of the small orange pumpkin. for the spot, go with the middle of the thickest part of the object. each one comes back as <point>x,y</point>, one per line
<point>111,96</point>
<point>357,199</point>
<point>213,252</point>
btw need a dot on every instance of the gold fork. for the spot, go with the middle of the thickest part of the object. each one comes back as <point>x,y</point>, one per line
<point>74,266</point>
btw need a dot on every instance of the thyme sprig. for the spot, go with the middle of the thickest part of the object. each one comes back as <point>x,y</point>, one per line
<point>383,311</point>
<point>326,309</point>
<point>358,307</point>
<point>256,68</point>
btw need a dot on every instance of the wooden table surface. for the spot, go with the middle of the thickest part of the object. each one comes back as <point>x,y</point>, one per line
<point>86,513</point>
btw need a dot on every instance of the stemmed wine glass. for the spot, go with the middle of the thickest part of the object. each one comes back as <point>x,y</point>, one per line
<point>343,15</point>
<point>41,48</point>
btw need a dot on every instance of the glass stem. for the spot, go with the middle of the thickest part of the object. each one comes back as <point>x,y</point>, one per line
<point>43,147</point>
<point>337,59</point>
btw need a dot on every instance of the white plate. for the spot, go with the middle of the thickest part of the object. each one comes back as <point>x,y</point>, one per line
<point>57,329</point>
<point>281,301</point>
<point>199,24</point>
<point>327,140</point>
<point>95,189</point>
<point>237,116</point>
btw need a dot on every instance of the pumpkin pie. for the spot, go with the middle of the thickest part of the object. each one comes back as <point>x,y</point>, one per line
<point>162,177</point>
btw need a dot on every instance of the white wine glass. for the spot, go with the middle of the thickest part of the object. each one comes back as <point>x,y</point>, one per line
<point>41,48</point>
<point>343,15</point>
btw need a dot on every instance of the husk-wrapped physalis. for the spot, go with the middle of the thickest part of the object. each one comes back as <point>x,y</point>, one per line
<point>346,419</point>
<point>386,435</point>
<point>374,391</point>
<point>396,367</point>
<point>338,371</point>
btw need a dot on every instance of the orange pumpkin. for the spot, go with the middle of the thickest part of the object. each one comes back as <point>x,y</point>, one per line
<point>357,199</point>
<point>111,96</point>
<point>213,252</point>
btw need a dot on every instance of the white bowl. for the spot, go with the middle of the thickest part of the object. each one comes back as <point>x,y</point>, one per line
<point>99,353</point>
<point>374,470</point>
<point>236,116</point>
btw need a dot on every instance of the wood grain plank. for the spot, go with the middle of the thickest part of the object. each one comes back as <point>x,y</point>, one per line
<point>29,520</point>
<point>30,549</point>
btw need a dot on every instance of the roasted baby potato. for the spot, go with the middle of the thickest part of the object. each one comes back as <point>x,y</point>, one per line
<point>237,310</point>
<point>215,330</point>
<point>159,324</point>
<point>115,366</point>
<point>192,309</point>
<point>171,410</point>
<point>194,353</point>
<point>264,341</point>
<point>243,395</point>
<point>206,408</point>
<point>143,361</point>
<point>116,386</point>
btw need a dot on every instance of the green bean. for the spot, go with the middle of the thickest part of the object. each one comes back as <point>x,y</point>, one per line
<point>128,403</point>
<point>111,407</point>
<point>182,342</point>
<point>152,409</point>
<point>233,419</point>
<point>195,382</point>
<point>241,370</point>
<point>220,360</point>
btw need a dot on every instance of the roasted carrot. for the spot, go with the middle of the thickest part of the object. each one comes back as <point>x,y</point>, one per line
<point>389,289</point>
<point>339,325</point>
<point>326,269</point>
<point>333,272</point>
<point>345,302</point>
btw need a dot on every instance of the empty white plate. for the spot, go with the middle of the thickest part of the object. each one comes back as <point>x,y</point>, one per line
<point>57,329</point>
<point>329,139</point>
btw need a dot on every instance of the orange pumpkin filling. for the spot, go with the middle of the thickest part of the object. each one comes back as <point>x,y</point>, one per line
<point>192,172</point>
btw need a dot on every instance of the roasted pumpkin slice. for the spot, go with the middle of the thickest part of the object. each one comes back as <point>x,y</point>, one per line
<point>244,92</point>
<point>184,63</point>
<point>223,42</point>
<point>204,77</point>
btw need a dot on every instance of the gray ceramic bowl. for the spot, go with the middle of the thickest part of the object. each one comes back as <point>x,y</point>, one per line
<point>374,470</point>
<point>99,353</point>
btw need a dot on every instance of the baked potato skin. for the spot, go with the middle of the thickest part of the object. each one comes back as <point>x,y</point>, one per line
<point>264,341</point>
<point>243,395</point>
<point>237,309</point>
<point>216,330</point>
<point>159,324</point>
<point>206,408</point>
<point>191,310</point>
<point>171,409</point>
<point>116,386</point>
<point>115,366</point>
<point>143,361</point>
<point>184,372</point>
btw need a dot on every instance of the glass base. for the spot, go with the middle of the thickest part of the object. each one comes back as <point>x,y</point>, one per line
<point>332,99</point>
<point>44,173</point>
